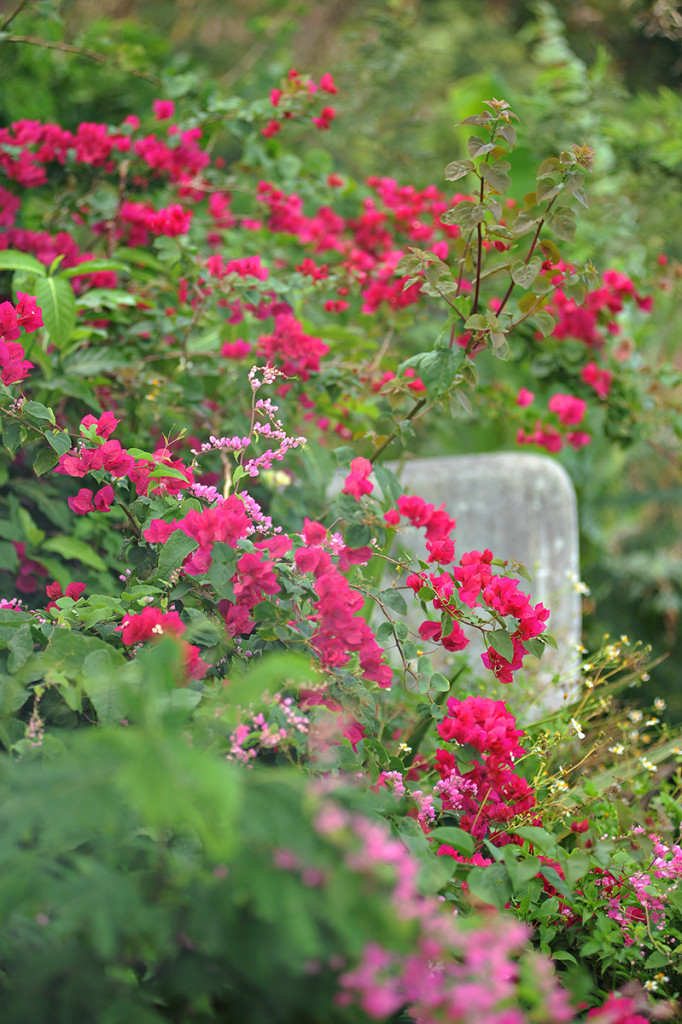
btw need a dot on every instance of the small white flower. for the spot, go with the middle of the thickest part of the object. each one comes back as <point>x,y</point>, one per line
<point>659,704</point>
<point>635,715</point>
<point>651,986</point>
<point>578,728</point>
<point>559,786</point>
<point>652,721</point>
<point>647,764</point>
<point>617,749</point>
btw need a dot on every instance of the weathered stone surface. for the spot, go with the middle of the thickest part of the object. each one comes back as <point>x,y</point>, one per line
<point>522,506</point>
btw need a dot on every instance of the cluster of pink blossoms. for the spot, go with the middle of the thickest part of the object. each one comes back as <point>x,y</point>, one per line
<point>290,94</point>
<point>494,792</point>
<point>472,582</point>
<point>450,975</point>
<point>340,630</point>
<point>146,475</point>
<point>24,315</point>
<point>151,623</point>
<point>552,435</point>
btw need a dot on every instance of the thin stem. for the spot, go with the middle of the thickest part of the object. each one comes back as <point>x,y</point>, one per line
<point>376,362</point>
<point>391,437</point>
<point>99,58</point>
<point>536,236</point>
<point>131,519</point>
<point>10,17</point>
<point>479,251</point>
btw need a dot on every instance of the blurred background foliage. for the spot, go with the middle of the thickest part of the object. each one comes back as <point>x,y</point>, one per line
<point>605,72</point>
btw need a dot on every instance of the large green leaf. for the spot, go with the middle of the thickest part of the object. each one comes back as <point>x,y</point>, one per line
<point>58,304</point>
<point>93,267</point>
<point>10,259</point>
<point>72,548</point>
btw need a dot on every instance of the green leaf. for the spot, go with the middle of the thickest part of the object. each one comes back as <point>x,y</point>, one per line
<point>168,471</point>
<point>476,322</point>
<point>389,483</point>
<point>468,214</point>
<point>13,437</point>
<point>508,132</point>
<point>384,632</point>
<point>46,459</point>
<point>458,169</point>
<point>21,648</point>
<point>173,553</point>
<point>524,274</point>
<point>564,956</point>
<point>538,837</point>
<point>38,411</point>
<point>575,867</point>
<point>498,341</point>
<point>273,672</point>
<point>490,884</point>
<point>34,535</point>
<point>548,166</point>
<point>395,600</point>
<point>59,440</point>
<point>501,642</point>
<point>10,259</point>
<point>476,146</point>
<point>73,548</point>
<point>521,871</point>
<point>101,679</point>
<point>656,961</point>
<point>139,256</point>
<point>58,304</point>
<point>93,267</point>
<point>357,535</point>
<point>545,322</point>
<point>496,175</point>
<point>106,298</point>
<point>534,647</point>
<point>563,223</point>
<point>450,835</point>
<point>438,682</point>
<point>547,189</point>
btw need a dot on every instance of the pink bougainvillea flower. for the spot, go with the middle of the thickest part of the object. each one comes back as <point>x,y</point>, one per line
<point>163,109</point>
<point>357,482</point>
<point>54,592</point>
<point>82,503</point>
<point>150,622</point>
<point>105,425</point>
<point>568,408</point>
<point>597,378</point>
<point>29,314</point>
<point>327,83</point>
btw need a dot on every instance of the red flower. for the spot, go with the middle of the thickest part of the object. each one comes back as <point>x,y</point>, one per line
<point>357,482</point>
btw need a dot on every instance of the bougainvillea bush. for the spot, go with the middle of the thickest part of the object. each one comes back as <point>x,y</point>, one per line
<point>235,786</point>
